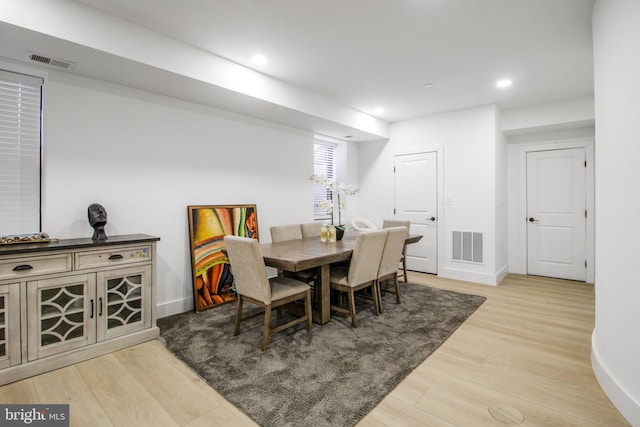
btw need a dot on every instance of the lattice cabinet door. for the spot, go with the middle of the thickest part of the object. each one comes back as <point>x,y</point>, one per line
<point>124,298</point>
<point>9,325</point>
<point>61,314</point>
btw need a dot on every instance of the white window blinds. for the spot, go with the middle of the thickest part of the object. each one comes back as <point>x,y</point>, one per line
<point>20,107</point>
<point>323,163</point>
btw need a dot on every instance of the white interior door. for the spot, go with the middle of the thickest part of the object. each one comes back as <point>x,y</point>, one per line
<point>416,201</point>
<point>556,209</point>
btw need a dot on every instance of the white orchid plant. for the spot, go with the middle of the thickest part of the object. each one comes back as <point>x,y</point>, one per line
<point>337,190</point>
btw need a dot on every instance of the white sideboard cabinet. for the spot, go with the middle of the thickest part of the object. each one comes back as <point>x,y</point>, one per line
<point>70,300</point>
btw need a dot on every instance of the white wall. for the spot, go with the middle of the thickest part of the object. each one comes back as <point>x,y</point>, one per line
<point>616,342</point>
<point>348,172</point>
<point>501,201</point>
<point>517,196</point>
<point>470,151</point>
<point>569,113</point>
<point>553,125</point>
<point>146,157</point>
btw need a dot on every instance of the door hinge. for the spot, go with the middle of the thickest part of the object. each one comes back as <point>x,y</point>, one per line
<point>585,213</point>
<point>585,163</point>
<point>394,211</point>
<point>585,263</point>
<point>394,169</point>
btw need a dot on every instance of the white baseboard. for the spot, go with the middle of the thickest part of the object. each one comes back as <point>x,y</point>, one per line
<point>471,276</point>
<point>501,274</point>
<point>517,269</point>
<point>174,307</point>
<point>625,403</point>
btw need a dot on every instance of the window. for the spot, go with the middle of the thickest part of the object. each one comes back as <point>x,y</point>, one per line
<point>20,118</point>
<point>323,161</point>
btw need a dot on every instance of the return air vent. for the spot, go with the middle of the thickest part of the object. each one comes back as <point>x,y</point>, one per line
<point>468,246</point>
<point>62,64</point>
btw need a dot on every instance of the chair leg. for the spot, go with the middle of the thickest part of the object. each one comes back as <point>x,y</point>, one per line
<point>395,279</point>
<point>236,329</point>
<point>376,297</point>
<point>352,308</point>
<point>404,269</point>
<point>379,295</point>
<point>307,310</point>
<point>267,327</point>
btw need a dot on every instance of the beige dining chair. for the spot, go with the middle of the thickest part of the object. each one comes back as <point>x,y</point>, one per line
<point>397,223</point>
<point>310,229</point>
<point>253,285</point>
<point>361,273</point>
<point>391,255</point>
<point>282,233</point>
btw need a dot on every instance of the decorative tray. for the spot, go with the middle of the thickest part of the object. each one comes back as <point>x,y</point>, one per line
<point>26,238</point>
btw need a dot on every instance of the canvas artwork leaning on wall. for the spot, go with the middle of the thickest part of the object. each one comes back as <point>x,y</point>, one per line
<point>212,278</point>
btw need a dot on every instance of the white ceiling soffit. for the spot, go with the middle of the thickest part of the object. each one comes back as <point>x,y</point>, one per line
<point>58,63</point>
<point>331,62</point>
<point>380,53</point>
<point>117,51</point>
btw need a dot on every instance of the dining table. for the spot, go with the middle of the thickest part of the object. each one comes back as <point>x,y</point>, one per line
<point>308,253</point>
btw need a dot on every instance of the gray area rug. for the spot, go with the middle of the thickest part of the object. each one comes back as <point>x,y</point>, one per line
<point>331,376</point>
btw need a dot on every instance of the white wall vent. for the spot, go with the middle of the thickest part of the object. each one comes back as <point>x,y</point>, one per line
<point>62,64</point>
<point>468,246</point>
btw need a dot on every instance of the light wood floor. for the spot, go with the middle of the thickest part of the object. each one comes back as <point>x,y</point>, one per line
<point>525,354</point>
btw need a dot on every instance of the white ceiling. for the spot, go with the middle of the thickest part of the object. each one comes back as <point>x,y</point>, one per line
<point>365,54</point>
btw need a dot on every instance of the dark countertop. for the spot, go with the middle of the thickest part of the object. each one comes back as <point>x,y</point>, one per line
<point>66,244</point>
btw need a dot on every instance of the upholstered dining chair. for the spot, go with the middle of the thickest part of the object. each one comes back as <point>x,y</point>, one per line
<point>310,229</point>
<point>280,233</point>
<point>253,285</point>
<point>391,255</point>
<point>397,223</point>
<point>361,273</point>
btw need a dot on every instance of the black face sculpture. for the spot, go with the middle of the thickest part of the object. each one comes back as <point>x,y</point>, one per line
<point>98,219</point>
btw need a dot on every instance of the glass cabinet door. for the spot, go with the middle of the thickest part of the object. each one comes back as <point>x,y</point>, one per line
<point>61,314</point>
<point>9,325</point>
<point>123,295</point>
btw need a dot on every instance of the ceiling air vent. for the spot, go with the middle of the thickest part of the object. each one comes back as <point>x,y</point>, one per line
<point>62,64</point>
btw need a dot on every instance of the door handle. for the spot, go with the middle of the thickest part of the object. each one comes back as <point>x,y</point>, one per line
<point>533,219</point>
<point>433,218</point>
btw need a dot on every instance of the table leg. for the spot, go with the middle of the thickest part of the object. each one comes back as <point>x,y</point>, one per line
<point>324,300</point>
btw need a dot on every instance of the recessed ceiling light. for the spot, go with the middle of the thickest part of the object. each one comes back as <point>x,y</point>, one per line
<point>504,83</point>
<point>428,84</point>
<point>259,59</point>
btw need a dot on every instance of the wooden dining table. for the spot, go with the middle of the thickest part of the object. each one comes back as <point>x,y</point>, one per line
<point>303,254</point>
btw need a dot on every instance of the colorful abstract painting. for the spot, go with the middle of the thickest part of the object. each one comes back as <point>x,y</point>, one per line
<point>212,279</point>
